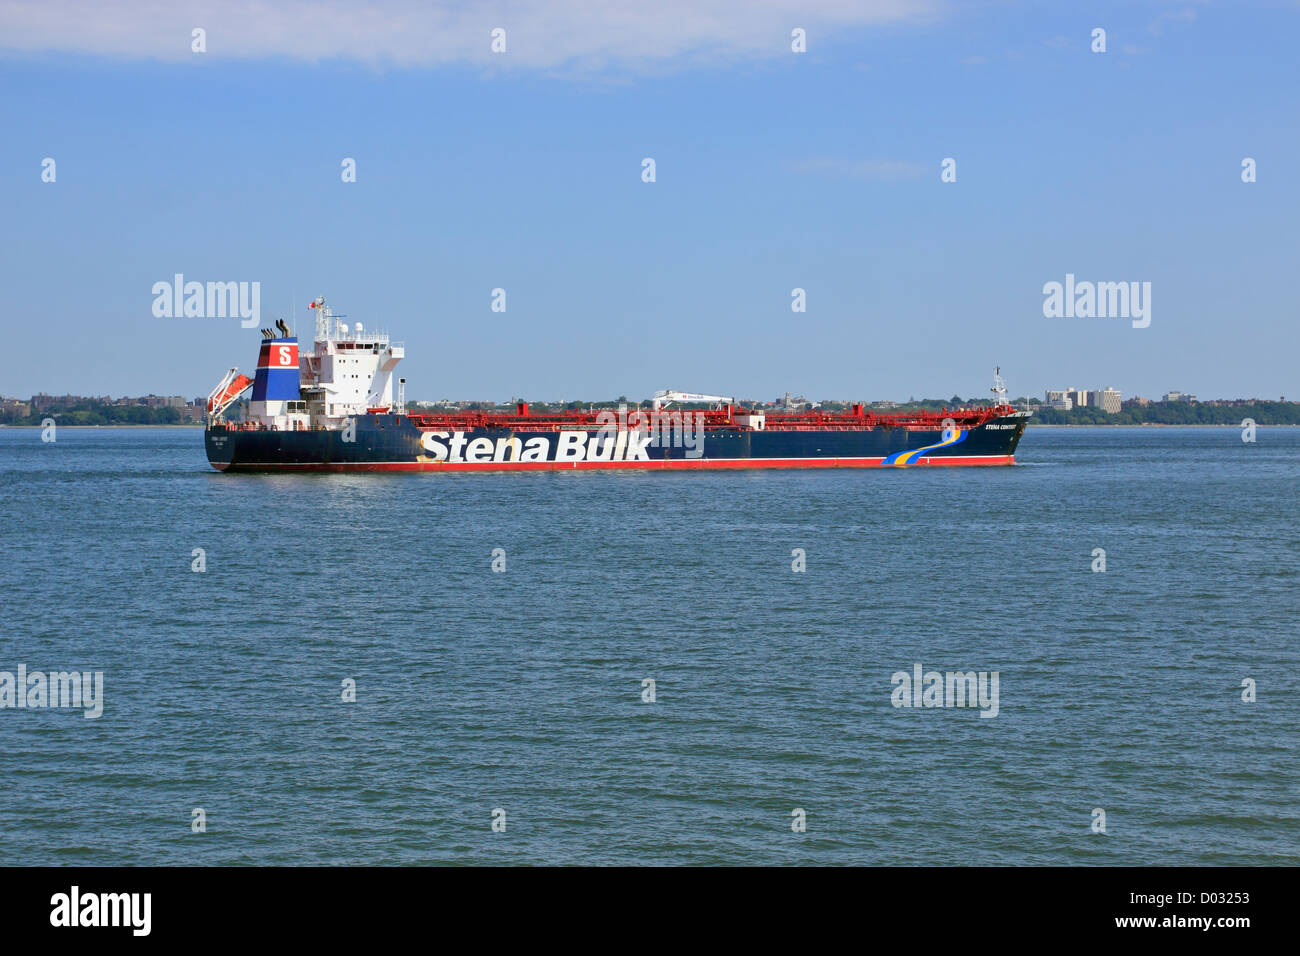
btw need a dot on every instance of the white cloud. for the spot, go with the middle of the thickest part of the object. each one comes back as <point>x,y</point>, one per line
<point>407,33</point>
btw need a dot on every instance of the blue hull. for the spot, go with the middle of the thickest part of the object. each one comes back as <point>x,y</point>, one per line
<point>394,443</point>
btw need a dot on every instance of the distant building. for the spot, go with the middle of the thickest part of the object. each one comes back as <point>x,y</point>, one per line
<point>41,401</point>
<point>1178,397</point>
<point>1107,399</point>
<point>1064,399</point>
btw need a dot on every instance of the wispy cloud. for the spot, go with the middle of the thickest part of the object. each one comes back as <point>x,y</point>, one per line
<point>881,170</point>
<point>1182,15</point>
<point>539,33</point>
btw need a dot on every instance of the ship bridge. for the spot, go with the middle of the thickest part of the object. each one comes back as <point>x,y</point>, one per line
<point>349,370</point>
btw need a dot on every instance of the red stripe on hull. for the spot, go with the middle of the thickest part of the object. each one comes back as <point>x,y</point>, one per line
<point>674,464</point>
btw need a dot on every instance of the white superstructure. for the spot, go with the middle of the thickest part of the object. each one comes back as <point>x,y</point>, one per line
<point>349,370</point>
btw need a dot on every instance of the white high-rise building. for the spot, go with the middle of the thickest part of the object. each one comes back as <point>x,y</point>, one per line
<point>1108,400</point>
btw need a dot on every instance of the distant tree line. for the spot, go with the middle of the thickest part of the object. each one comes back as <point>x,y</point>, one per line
<point>1176,413</point>
<point>92,413</point>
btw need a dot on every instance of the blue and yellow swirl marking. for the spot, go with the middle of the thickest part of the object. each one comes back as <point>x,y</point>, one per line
<point>901,459</point>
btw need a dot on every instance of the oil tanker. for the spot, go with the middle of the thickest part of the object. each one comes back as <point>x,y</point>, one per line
<point>339,408</point>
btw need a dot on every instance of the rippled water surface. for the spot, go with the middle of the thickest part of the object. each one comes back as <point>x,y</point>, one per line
<point>522,690</point>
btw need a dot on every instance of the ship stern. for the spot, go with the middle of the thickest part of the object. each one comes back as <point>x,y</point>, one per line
<point>220,445</point>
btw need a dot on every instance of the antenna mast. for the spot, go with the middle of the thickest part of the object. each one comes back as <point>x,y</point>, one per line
<point>999,388</point>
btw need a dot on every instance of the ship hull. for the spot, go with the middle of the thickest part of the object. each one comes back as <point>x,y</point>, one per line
<point>387,443</point>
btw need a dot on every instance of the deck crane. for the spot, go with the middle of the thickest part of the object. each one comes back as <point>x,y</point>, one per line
<point>667,396</point>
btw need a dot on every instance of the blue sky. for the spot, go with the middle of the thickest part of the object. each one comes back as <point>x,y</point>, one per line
<point>774,171</point>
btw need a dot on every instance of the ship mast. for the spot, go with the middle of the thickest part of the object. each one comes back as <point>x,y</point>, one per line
<point>999,388</point>
<point>324,319</point>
